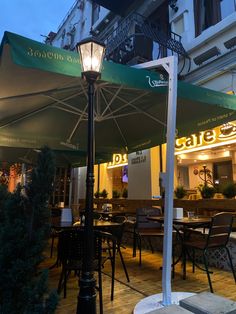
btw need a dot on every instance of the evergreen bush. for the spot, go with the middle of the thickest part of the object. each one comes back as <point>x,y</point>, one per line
<point>115,194</point>
<point>104,193</point>
<point>125,193</point>
<point>180,192</point>
<point>206,191</point>
<point>24,233</point>
<point>97,194</point>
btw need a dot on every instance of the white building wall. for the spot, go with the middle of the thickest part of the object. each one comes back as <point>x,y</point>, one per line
<point>78,18</point>
<point>139,185</point>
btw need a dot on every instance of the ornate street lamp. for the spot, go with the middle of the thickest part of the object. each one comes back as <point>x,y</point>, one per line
<point>91,56</point>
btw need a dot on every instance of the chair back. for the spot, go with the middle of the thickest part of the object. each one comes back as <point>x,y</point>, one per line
<point>219,232</point>
<point>118,231</point>
<point>72,245</point>
<point>142,214</point>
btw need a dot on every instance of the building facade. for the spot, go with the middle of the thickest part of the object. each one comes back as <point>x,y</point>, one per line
<point>201,33</point>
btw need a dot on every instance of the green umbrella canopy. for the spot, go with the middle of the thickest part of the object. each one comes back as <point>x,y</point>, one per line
<point>43,100</point>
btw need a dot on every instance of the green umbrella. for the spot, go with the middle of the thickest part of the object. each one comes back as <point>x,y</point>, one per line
<point>43,100</point>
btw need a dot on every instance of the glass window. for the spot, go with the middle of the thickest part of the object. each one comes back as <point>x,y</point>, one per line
<point>207,13</point>
<point>95,12</point>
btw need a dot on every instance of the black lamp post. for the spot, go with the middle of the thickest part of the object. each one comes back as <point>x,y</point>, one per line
<point>91,55</point>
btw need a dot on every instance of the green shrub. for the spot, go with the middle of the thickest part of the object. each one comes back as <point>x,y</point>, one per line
<point>97,194</point>
<point>180,192</point>
<point>229,191</point>
<point>125,193</point>
<point>206,191</point>
<point>115,194</point>
<point>104,193</point>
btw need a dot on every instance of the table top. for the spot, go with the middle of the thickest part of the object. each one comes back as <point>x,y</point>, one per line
<point>110,213</point>
<point>96,223</point>
<point>185,221</point>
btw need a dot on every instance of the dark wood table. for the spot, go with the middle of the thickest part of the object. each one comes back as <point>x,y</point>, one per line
<point>107,215</point>
<point>187,224</point>
<point>197,222</point>
<point>97,224</point>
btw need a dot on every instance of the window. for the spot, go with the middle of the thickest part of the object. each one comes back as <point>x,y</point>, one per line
<point>95,12</point>
<point>210,12</point>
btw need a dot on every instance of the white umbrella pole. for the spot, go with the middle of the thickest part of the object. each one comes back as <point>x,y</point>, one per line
<point>169,180</point>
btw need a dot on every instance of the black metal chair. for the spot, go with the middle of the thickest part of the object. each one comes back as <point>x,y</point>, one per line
<point>118,232</point>
<point>146,229</point>
<point>217,238</point>
<point>112,245</point>
<point>71,248</point>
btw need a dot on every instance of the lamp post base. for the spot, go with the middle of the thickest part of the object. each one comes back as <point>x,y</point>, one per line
<point>87,294</point>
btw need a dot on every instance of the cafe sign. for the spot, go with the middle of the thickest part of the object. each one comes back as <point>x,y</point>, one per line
<point>223,134</point>
<point>118,160</point>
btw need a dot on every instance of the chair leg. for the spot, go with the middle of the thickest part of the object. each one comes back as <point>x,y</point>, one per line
<point>150,244</point>
<point>52,245</point>
<point>140,250</point>
<point>123,264</point>
<point>113,261</point>
<point>100,290</point>
<point>231,263</point>
<point>64,285</point>
<point>193,262</point>
<point>60,281</point>
<point>207,270</point>
<point>184,262</point>
<point>173,262</point>
<point>134,244</point>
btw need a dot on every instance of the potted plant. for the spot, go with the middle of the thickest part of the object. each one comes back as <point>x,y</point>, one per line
<point>180,192</point>
<point>229,191</point>
<point>206,191</point>
<point>104,193</point>
<point>115,194</point>
<point>97,194</point>
<point>125,193</point>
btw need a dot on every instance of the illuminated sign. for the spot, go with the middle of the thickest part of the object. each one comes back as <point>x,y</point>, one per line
<point>118,160</point>
<point>221,135</point>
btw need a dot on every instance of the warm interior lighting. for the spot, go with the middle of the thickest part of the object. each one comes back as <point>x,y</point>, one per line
<point>91,55</point>
<point>195,149</point>
<point>116,166</point>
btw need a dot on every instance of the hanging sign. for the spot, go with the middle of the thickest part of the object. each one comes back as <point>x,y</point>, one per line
<point>118,160</point>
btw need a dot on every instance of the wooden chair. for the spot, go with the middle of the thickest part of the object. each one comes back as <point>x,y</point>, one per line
<point>217,238</point>
<point>146,229</point>
<point>71,248</point>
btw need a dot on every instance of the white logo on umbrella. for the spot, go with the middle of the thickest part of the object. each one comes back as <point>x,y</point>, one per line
<point>157,83</point>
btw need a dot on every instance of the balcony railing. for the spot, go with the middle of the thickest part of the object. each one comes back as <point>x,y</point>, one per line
<point>136,39</point>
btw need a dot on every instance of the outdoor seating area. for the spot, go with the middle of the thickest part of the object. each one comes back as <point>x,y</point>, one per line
<point>124,280</point>
<point>144,281</point>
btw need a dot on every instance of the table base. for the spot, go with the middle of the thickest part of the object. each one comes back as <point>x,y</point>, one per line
<point>154,302</point>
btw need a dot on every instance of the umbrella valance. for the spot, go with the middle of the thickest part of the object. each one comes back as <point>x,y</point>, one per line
<point>43,100</point>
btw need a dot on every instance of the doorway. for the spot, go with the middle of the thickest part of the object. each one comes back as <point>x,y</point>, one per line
<point>222,173</point>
